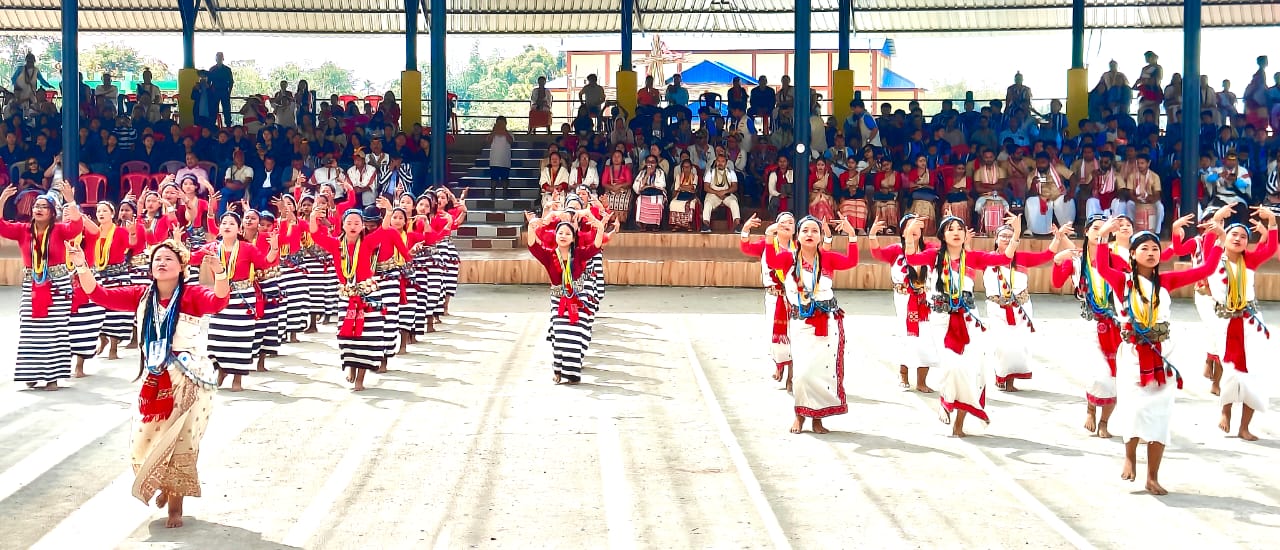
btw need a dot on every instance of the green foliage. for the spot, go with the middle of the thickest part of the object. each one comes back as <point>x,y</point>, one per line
<point>326,79</point>
<point>14,48</point>
<point>121,60</point>
<point>497,78</point>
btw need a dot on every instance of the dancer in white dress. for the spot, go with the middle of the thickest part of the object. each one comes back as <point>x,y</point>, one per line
<point>961,382</point>
<point>779,235</point>
<point>1240,323</point>
<point>1009,306</point>
<point>918,344</point>
<point>1144,377</point>
<point>817,322</point>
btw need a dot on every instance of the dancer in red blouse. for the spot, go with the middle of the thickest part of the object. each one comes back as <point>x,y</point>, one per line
<point>44,351</point>
<point>572,292</point>
<point>428,271</point>
<point>177,393</point>
<point>1143,376</point>
<point>919,347</point>
<point>360,338</point>
<point>778,235</point>
<point>233,337</point>
<point>962,388</point>
<point>107,243</point>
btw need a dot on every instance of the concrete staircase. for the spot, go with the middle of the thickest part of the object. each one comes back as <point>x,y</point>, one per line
<point>496,222</point>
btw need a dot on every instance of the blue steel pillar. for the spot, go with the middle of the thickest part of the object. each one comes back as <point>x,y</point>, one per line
<point>1190,104</point>
<point>800,200</point>
<point>628,29</point>
<point>439,95</point>
<point>70,91</point>
<point>845,21</point>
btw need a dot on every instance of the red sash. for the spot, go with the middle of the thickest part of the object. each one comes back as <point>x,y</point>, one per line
<point>1234,352</point>
<point>404,288</point>
<point>260,299</point>
<point>155,400</point>
<point>957,332</point>
<point>353,320</point>
<point>820,323</point>
<point>1108,340</point>
<point>917,310</point>
<point>570,306</point>
<point>41,299</point>
<point>780,321</point>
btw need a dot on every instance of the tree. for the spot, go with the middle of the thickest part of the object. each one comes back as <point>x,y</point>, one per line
<point>326,79</point>
<point>496,78</point>
<point>120,60</point>
<point>249,79</point>
<point>13,51</point>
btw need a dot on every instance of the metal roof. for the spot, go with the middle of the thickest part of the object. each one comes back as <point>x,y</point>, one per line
<point>602,17</point>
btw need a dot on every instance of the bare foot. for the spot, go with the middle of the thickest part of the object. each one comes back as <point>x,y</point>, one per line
<point>79,373</point>
<point>957,432</point>
<point>556,378</point>
<point>431,328</point>
<point>236,387</point>
<point>1154,488</point>
<point>788,386</point>
<point>1127,473</point>
<point>114,355</point>
<point>359,387</point>
<point>131,345</point>
<point>777,374</point>
<point>1091,423</point>
<point>175,514</point>
<point>51,386</point>
<point>924,389</point>
<point>293,337</point>
<point>1225,423</point>
<point>572,382</point>
<point>222,375</point>
<point>797,426</point>
<point>1216,389</point>
<point>351,377</point>
<point>818,428</point>
<point>162,499</point>
<point>1247,435</point>
<point>1102,430</point>
<point>902,375</point>
<point>309,330</point>
<point>1008,386</point>
<point>31,384</point>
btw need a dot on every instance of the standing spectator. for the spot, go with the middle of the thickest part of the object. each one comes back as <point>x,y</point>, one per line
<point>26,80</point>
<point>205,102</point>
<point>1226,102</point>
<point>677,99</point>
<point>306,100</point>
<point>540,107</point>
<point>500,141</point>
<point>107,93</point>
<point>737,95</point>
<point>151,102</point>
<point>592,97</point>
<point>221,81</point>
<point>266,185</point>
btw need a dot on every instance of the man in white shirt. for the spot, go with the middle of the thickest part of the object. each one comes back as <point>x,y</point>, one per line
<point>540,107</point>
<point>331,175</point>
<point>193,167</point>
<point>363,178</point>
<point>721,186</point>
<point>107,91</point>
<point>377,157</point>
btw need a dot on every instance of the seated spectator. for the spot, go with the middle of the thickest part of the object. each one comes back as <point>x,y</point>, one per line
<point>592,97</point>
<point>677,100</point>
<point>852,193</point>
<point>1050,196</point>
<point>616,183</point>
<point>720,183</point>
<point>650,187</point>
<point>957,188</point>
<point>885,189</point>
<point>621,133</point>
<point>921,183</point>
<point>192,167</point>
<point>584,172</point>
<point>822,186</point>
<point>362,176</point>
<point>684,199</point>
<point>781,185</point>
<point>737,95</point>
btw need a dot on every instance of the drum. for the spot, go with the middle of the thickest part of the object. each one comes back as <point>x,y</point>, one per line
<point>993,214</point>
<point>1145,216</point>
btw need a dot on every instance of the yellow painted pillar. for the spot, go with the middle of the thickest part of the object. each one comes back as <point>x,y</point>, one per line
<point>625,87</point>
<point>187,79</point>
<point>841,94</point>
<point>1077,98</point>
<point>410,99</point>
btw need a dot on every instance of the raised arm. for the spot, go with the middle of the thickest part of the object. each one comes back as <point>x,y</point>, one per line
<point>841,262</point>
<point>778,258</point>
<point>1174,280</point>
<point>1114,277</point>
<point>1062,272</point>
<point>1033,259</point>
<point>1266,249</point>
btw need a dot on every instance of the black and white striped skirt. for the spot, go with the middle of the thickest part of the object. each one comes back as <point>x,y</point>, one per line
<point>269,330</point>
<point>389,296</point>
<point>84,327</point>
<point>233,338</point>
<point>568,339</point>
<point>44,351</point>
<point>118,324</point>
<point>426,298</point>
<point>296,296</point>
<point>333,303</point>
<point>437,280</point>
<point>451,263</point>
<point>318,283</point>
<point>595,266</point>
<point>411,309</point>
<point>367,350</point>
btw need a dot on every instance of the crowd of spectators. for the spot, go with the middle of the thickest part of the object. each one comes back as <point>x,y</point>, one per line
<point>281,141</point>
<point>973,162</point>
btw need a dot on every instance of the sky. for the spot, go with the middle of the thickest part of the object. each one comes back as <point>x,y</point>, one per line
<point>1042,57</point>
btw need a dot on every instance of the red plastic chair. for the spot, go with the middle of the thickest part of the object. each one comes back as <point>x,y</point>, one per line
<point>135,183</point>
<point>135,167</point>
<point>346,100</point>
<point>373,100</point>
<point>95,185</point>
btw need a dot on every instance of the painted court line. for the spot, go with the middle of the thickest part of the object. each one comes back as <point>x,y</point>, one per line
<point>748,477</point>
<point>98,422</point>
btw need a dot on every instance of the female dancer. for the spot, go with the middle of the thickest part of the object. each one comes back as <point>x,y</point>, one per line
<point>428,274</point>
<point>817,354</point>
<point>910,297</point>
<point>44,352</point>
<point>1009,299</point>
<point>360,338</point>
<point>572,293</point>
<point>293,269</point>
<point>1144,399</point>
<point>1236,307</point>
<point>174,403</point>
<point>779,235</point>
<point>136,256</point>
<point>259,229</point>
<point>108,244</point>
<point>393,280</point>
<point>410,310</point>
<point>1097,304</point>
<point>595,265</point>
<point>448,258</point>
<point>962,387</point>
<point>233,338</point>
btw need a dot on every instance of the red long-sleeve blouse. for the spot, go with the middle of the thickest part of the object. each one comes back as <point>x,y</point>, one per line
<point>57,236</point>
<point>197,300</point>
<point>246,255</point>
<point>364,250</point>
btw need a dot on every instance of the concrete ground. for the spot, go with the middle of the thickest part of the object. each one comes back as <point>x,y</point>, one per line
<point>676,439</point>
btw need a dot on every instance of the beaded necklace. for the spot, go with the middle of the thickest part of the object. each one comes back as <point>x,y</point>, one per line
<point>349,261</point>
<point>1236,274</point>
<point>953,280</point>
<point>102,254</point>
<point>229,257</point>
<point>40,256</point>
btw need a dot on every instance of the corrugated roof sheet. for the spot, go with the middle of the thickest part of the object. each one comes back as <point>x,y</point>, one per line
<point>601,16</point>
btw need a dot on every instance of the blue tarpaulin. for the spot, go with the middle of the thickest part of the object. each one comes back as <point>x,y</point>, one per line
<point>711,73</point>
